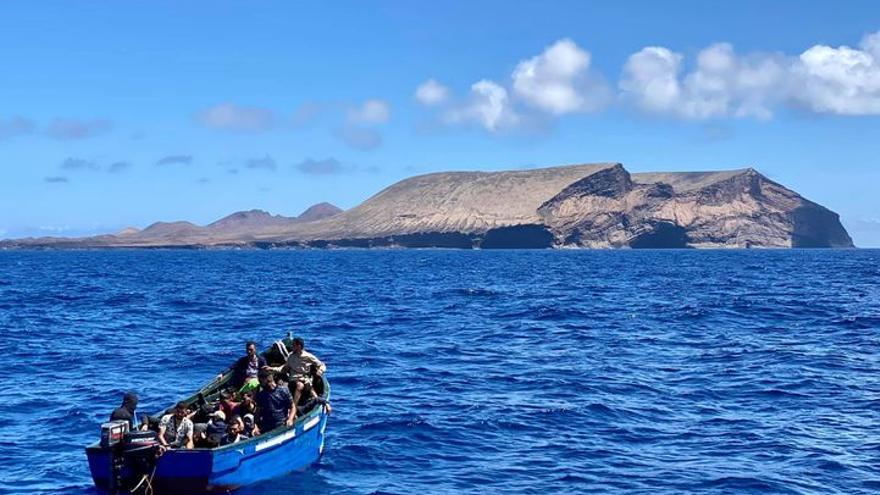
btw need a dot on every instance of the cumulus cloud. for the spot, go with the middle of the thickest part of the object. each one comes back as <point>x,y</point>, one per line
<point>175,160</point>
<point>327,166</point>
<point>717,83</point>
<point>76,129</point>
<point>722,83</point>
<point>56,180</point>
<point>15,126</point>
<point>431,93</point>
<point>264,163</point>
<point>370,112</point>
<point>489,106</point>
<point>555,82</point>
<point>841,80</point>
<point>79,164</point>
<point>231,117</point>
<point>558,80</point>
<point>360,138</point>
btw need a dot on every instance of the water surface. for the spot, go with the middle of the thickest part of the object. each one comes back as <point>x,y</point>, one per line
<point>471,371</point>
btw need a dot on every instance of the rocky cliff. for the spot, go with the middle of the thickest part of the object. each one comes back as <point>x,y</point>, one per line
<point>592,206</point>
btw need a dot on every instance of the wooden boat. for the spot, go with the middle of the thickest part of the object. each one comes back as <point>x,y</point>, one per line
<point>200,470</point>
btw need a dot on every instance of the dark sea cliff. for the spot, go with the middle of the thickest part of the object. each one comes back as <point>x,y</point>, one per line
<point>672,371</point>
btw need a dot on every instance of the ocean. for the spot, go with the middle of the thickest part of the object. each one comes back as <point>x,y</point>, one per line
<point>457,372</point>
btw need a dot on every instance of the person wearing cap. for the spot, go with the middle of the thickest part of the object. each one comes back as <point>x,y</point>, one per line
<point>300,366</point>
<point>216,428</point>
<point>126,412</point>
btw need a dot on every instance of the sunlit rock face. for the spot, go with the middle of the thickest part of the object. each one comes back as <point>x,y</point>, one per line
<point>591,206</point>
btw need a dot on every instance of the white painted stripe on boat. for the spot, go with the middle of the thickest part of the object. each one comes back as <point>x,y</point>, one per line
<point>311,423</point>
<point>276,441</point>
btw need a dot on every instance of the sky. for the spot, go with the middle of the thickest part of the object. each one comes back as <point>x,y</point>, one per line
<point>122,114</point>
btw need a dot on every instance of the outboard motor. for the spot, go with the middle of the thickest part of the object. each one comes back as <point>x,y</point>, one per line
<point>112,436</point>
<point>140,450</point>
<point>134,455</point>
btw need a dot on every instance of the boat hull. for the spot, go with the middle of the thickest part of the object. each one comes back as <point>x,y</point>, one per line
<point>209,470</point>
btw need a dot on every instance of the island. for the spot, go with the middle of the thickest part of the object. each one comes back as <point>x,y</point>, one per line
<point>600,205</point>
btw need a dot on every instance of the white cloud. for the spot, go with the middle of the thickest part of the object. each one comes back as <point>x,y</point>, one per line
<point>722,83</point>
<point>371,112</point>
<point>842,80</point>
<point>489,106</point>
<point>557,81</point>
<point>717,83</point>
<point>871,44</point>
<point>650,79</point>
<point>823,79</point>
<point>431,93</point>
<point>228,116</point>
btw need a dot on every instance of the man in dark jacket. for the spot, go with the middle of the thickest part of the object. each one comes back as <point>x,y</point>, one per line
<point>246,369</point>
<point>125,412</point>
<point>274,404</point>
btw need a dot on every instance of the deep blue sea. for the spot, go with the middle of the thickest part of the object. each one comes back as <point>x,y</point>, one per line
<point>471,371</point>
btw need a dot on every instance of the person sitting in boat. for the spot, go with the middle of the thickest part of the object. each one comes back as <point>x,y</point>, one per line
<point>228,403</point>
<point>126,412</point>
<point>300,366</point>
<point>246,369</point>
<point>176,429</point>
<point>234,433</point>
<point>216,429</point>
<point>274,405</point>
<point>250,425</point>
<point>248,405</point>
<point>237,419</point>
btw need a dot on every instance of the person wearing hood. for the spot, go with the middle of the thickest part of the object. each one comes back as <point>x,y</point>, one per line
<point>125,412</point>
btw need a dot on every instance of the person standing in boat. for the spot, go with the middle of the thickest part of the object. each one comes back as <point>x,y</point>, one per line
<point>246,369</point>
<point>274,404</point>
<point>126,412</point>
<point>300,365</point>
<point>176,429</point>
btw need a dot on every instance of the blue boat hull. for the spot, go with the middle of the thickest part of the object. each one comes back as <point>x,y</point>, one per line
<point>207,470</point>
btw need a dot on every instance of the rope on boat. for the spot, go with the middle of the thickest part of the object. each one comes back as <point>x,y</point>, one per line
<point>141,482</point>
<point>148,480</point>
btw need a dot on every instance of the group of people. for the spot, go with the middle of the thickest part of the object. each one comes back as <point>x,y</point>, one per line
<point>260,398</point>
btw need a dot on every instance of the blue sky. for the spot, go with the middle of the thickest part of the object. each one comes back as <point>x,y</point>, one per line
<point>115,115</point>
